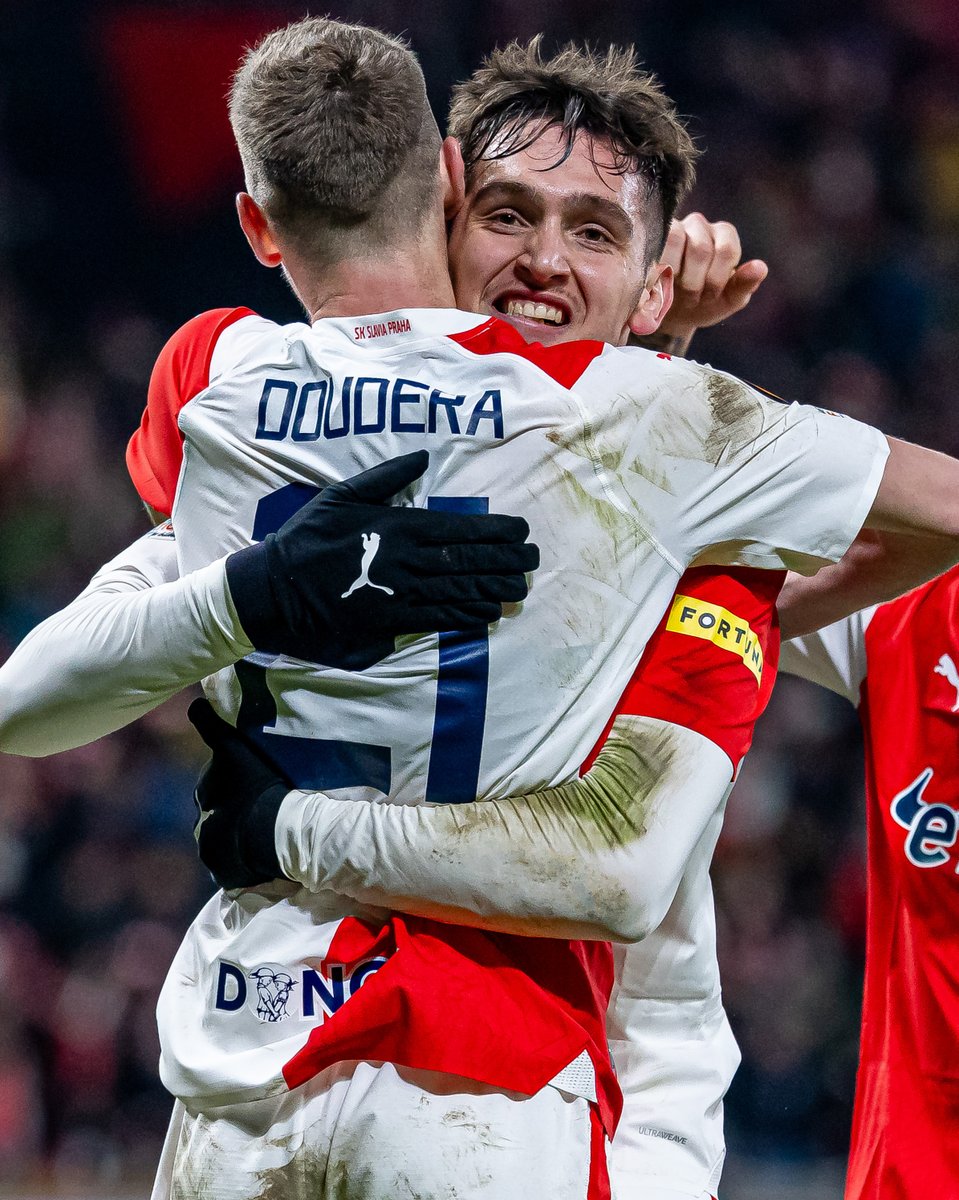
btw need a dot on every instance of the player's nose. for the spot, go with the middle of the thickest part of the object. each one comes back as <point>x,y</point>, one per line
<point>544,258</point>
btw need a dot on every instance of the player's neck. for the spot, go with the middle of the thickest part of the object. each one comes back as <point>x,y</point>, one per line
<point>405,279</point>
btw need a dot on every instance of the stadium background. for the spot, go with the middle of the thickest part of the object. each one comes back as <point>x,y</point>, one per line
<point>831,134</point>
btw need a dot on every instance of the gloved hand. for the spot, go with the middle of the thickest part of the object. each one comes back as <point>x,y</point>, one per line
<point>348,573</point>
<point>238,796</point>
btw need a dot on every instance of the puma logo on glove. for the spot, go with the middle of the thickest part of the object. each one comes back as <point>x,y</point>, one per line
<point>446,571</point>
<point>371,543</point>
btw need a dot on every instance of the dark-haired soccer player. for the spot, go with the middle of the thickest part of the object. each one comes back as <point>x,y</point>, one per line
<point>599,450</point>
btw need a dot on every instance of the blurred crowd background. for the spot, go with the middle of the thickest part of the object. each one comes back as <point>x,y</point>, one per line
<point>831,138</point>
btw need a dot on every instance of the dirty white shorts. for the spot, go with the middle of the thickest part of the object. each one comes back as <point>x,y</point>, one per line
<point>368,1131</point>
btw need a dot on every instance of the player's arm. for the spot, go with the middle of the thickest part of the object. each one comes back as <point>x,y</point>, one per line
<point>133,638</point>
<point>138,634</point>
<point>919,493</point>
<point>710,282</point>
<point>877,567</point>
<point>756,482</point>
<point>599,857</point>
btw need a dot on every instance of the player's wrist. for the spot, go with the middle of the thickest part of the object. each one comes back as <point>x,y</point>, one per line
<point>673,339</point>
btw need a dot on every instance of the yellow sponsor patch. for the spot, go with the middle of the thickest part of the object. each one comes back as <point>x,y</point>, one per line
<point>713,623</point>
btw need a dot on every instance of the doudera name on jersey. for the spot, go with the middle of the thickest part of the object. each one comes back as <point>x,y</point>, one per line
<point>713,623</point>
<point>325,408</point>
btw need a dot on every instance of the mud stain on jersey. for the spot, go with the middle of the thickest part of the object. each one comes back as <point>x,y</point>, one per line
<point>305,1176</point>
<point>708,418</point>
<point>622,519</point>
<point>605,809</point>
<point>580,442</point>
<point>561,840</point>
<point>737,417</point>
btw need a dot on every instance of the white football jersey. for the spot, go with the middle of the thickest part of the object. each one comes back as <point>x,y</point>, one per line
<point>628,466</point>
<point>674,1051</point>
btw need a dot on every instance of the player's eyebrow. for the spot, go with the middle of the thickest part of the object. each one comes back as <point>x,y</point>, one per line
<point>580,205</point>
<point>508,191</point>
<point>587,206</point>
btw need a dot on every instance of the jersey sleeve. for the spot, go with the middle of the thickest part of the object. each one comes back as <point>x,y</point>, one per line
<point>138,633</point>
<point>711,664</point>
<point>834,657</point>
<point>737,477</point>
<point>182,371</point>
<point>623,834</point>
<point>791,485</point>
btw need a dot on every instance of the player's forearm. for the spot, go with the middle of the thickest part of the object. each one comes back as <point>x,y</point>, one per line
<point>600,857</point>
<point>919,493</point>
<point>877,567</point>
<point>120,649</point>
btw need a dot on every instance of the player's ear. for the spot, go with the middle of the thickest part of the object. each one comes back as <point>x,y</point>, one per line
<point>453,177</point>
<point>655,301</point>
<point>256,227</point>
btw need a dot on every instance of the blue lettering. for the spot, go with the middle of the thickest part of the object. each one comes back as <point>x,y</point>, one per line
<point>331,998</point>
<point>378,424</point>
<point>450,404</point>
<point>238,999</point>
<point>328,430</point>
<point>936,825</point>
<point>400,397</point>
<point>307,413</point>
<point>906,804</point>
<point>263,429</point>
<point>360,975</point>
<point>489,407</point>
<point>318,390</point>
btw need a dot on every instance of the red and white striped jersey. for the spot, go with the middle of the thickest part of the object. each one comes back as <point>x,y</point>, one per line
<point>627,465</point>
<point>900,663</point>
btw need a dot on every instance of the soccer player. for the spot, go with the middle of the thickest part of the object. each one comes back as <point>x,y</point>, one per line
<point>608,860</point>
<point>274,1005</point>
<point>897,662</point>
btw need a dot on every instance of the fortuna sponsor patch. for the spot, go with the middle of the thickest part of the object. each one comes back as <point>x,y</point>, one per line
<point>713,623</point>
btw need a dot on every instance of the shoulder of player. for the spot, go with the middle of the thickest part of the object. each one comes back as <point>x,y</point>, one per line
<point>204,347</point>
<point>663,385</point>
<point>711,662</point>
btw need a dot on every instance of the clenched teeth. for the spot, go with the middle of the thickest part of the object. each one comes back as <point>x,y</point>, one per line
<point>539,312</point>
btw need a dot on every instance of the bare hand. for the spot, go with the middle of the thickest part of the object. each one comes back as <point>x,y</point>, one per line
<point>710,283</point>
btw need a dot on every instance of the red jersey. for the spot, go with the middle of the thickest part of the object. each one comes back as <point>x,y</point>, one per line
<point>905,1140</point>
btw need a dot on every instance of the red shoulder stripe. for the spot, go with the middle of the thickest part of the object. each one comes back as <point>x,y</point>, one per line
<point>182,371</point>
<point>565,363</point>
<point>711,664</point>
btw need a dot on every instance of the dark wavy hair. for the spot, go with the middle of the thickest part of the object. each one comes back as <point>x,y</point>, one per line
<point>505,105</point>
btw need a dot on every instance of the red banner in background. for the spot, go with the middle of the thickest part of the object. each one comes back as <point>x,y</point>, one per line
<point>169,73</point>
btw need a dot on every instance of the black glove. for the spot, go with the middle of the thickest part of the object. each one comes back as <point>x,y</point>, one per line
<point>348,573</point>
<point>238,796</point>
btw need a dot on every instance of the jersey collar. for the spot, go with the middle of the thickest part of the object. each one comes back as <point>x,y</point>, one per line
<point>403,326</point>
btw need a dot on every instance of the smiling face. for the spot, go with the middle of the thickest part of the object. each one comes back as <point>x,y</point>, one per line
<point>560,252</point>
